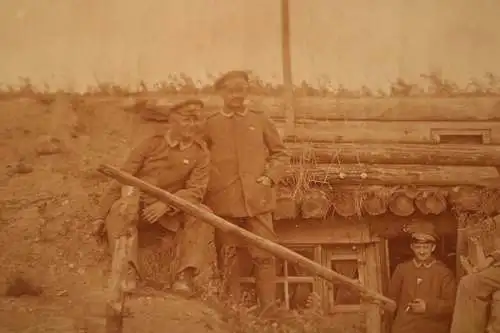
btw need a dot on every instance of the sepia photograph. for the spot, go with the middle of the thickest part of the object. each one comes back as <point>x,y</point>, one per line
<point>245,166</point>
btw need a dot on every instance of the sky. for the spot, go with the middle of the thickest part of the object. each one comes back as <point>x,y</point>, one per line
<point>75,43</point>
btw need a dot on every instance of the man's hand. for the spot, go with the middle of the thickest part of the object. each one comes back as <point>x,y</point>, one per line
<point>98,229</point>
<point>265,180</point>
<point>417,306</point>
<point>154,211</point>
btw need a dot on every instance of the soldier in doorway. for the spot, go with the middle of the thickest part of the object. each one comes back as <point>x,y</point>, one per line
<point>423,288</point>
<point>176,161</point>
<point>248,159</point>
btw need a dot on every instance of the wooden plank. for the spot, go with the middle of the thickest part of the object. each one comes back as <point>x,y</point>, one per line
<point>377,174</point>
<point>390,153</point>
<point>385,277</point>
<point>252,239</point>
<point>387,132</point>
<point>334,230</point>
<point>381,109</point>
<point>372,273</point>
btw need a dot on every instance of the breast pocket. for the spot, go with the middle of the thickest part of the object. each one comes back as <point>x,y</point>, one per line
<point>251,136</point>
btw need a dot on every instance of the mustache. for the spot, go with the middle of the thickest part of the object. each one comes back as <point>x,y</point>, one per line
<point>237,99</point>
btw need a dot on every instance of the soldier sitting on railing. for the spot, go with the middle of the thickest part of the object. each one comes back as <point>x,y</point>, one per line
<point>176,162</point>
<point>476,291</point>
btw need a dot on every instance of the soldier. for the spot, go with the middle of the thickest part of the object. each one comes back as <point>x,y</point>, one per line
<point>177,162</point>
<point>423,288</point>
<point>248,159</point>
<point>474,294</point>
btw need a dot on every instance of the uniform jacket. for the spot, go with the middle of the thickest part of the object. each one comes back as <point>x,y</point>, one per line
<point>183,172</point>
<point>243,147</point>
<point>435,284</point>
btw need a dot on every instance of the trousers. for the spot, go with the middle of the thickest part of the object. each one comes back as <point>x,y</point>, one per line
<point>229,260</point>
<point>193,238</point>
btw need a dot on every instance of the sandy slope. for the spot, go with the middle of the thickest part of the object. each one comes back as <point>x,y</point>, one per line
<point>46,208</point>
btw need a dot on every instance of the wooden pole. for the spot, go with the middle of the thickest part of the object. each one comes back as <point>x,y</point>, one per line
<point>116,298</point>
<point>287,68</point>
<point>259,242</point>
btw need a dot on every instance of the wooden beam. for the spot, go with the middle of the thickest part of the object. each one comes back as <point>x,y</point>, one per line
<point>254,240</point>
<point>408,109</point>
<point>378,174</point>
<point>381,153</point>
<point>368,109</point>
<point>357,131</point>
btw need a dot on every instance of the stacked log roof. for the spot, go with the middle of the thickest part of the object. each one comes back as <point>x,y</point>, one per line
<point>385,155</point>
<point>354,201</point>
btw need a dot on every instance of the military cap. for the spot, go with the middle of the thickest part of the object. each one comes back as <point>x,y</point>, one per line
<point>423,232</point>
<point>187,107</point>
<point>160,110</point>
<point>219,83</point>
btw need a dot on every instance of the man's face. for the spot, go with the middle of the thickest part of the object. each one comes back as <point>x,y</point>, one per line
<point>234,93</point>
<point>423,251</point>
<point>187,125</point>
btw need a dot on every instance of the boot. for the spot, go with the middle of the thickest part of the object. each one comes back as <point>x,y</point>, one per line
<point>183,283</point>
<point>265,278</point>
<point>230,269</point>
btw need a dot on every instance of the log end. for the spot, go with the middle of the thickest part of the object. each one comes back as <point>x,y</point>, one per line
<point>431,202</point>
<point>315,204</point>
<point>286,204</point>
<point>374,205</point>
<point>465,198</point>
<point>345,204</point>
<point>401,204</point>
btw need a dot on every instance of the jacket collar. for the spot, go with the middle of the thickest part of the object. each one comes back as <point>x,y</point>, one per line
<point>229,114</point>
<point>424,264</point>
<point>183,145</point>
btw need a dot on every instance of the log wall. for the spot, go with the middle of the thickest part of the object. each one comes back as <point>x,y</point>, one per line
<point>397,131</point>
<point>381,109</point>
<point>387,153</point>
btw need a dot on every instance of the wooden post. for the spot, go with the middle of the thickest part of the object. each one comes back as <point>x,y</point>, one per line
<point>254,240</point>
<point>372,272</point>
<point>116,297</point>
<point>287,68</point>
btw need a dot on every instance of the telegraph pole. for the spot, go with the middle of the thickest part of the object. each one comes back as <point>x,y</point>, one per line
<point>287,68</point>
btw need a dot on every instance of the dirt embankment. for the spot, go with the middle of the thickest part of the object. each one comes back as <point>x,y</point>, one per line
<point>48,194</point>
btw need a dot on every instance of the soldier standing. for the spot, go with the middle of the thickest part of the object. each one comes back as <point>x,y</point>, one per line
<point>177,162</point>
<point>248,159</point>
<point>423,288</point>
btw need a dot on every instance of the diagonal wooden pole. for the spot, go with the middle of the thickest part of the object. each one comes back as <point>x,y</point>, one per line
<point>257,241</point>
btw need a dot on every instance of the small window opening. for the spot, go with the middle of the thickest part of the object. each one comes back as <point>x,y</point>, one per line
<point>461,139</point>
<point>461,136</point>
